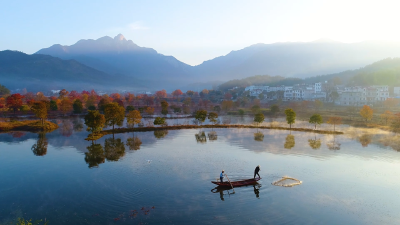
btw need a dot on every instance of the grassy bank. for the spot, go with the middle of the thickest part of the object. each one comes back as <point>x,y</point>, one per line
<point>180,127</point>
<point>27,125</point>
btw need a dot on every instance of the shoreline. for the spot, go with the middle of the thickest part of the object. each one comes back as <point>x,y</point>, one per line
<point>27,125</point>
<point>182,127</point>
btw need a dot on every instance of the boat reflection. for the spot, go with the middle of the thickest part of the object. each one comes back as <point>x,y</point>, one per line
<point>223,191</point>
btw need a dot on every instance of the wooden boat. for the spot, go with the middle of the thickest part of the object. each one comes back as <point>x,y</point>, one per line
<point>237,183</point>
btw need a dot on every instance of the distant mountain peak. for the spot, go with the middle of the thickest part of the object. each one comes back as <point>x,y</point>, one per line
<point>120,37</point>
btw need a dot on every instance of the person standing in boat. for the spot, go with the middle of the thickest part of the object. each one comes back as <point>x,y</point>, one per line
<point>256,172</point>
<point>221,176</point>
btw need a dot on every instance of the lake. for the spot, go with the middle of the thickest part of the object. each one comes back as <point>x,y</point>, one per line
<point>164,177</point>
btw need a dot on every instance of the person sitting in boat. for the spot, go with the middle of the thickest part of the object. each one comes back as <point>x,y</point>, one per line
<point>221,176</point>
<point>256,172</point>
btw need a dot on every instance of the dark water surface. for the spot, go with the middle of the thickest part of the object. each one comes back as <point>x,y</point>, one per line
<point>67,180</point>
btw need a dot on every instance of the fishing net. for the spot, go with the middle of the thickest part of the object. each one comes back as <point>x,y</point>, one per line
<point>287,182</point>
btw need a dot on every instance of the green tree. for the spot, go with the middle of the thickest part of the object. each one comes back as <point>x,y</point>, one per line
<point>201,116</point>
<point>40,110</point>
<point>78,106</point>
<point>241,112</point>
<point>53,105</point>
<point>213,116</point>
<point>259,118</point>
<point>94,121</point>
<point>315,119</point>
<point>91,107</point>
<point>114,114</point>
<point>159,121</point>
<point>4,90</point>
<point>290,117</point>
<point>164,107</point>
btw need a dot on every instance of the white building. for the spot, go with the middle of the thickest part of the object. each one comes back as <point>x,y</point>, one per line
<point>358,96</point>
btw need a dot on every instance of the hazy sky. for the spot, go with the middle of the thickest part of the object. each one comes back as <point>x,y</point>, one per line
<point>194,31</point>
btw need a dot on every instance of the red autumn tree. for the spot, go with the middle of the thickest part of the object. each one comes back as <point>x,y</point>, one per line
<point>14,101</point>
<point>177,93</point>
<point>74,95</point>
<point>161,94</point>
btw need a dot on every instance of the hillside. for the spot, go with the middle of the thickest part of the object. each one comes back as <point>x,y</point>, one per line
<point>383,72</point>
<point>44,72</point>
<point>297,59</point>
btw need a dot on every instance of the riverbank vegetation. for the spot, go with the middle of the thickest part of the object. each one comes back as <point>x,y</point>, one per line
<point>27,125</point>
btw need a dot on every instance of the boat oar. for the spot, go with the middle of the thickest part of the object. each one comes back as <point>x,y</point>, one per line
<point>230,183</point>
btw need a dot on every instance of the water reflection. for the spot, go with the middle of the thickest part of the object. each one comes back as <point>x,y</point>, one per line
<point>201,137</point>
<point>289,142</point>
<point>114,149</point>
<point>314,143</point>
<point>16,134</point>
<point>133,143</point>
<point>160,133</point>
<point>223,191</point>
<point>333,145</point>
<point>66,128</point>
<point>258,136</point>
<point>212,136</point>
<point>40,148</point>
<point>77,124</point>
<point>95,156</point>
<point>365,139</point>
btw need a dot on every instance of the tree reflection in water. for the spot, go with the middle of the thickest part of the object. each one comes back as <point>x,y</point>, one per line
<point>314,143</point>
<point>133,143</point>
<point>160,133</point>
<point>365,140</point>
<point>333,145</point>
<point>95,156</point>
<point>201,137</point>
<point>77,124</point>
<point>40,148</point>
<point>212,136</point>
<point>114,149</point>
<point>258,136</point>
<point>66,128</point>
<point>289,142</point>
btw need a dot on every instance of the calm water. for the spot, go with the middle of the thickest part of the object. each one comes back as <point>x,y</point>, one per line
<point>347,179</point>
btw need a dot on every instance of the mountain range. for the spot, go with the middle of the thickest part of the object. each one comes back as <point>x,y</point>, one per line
<point>117,63</point>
